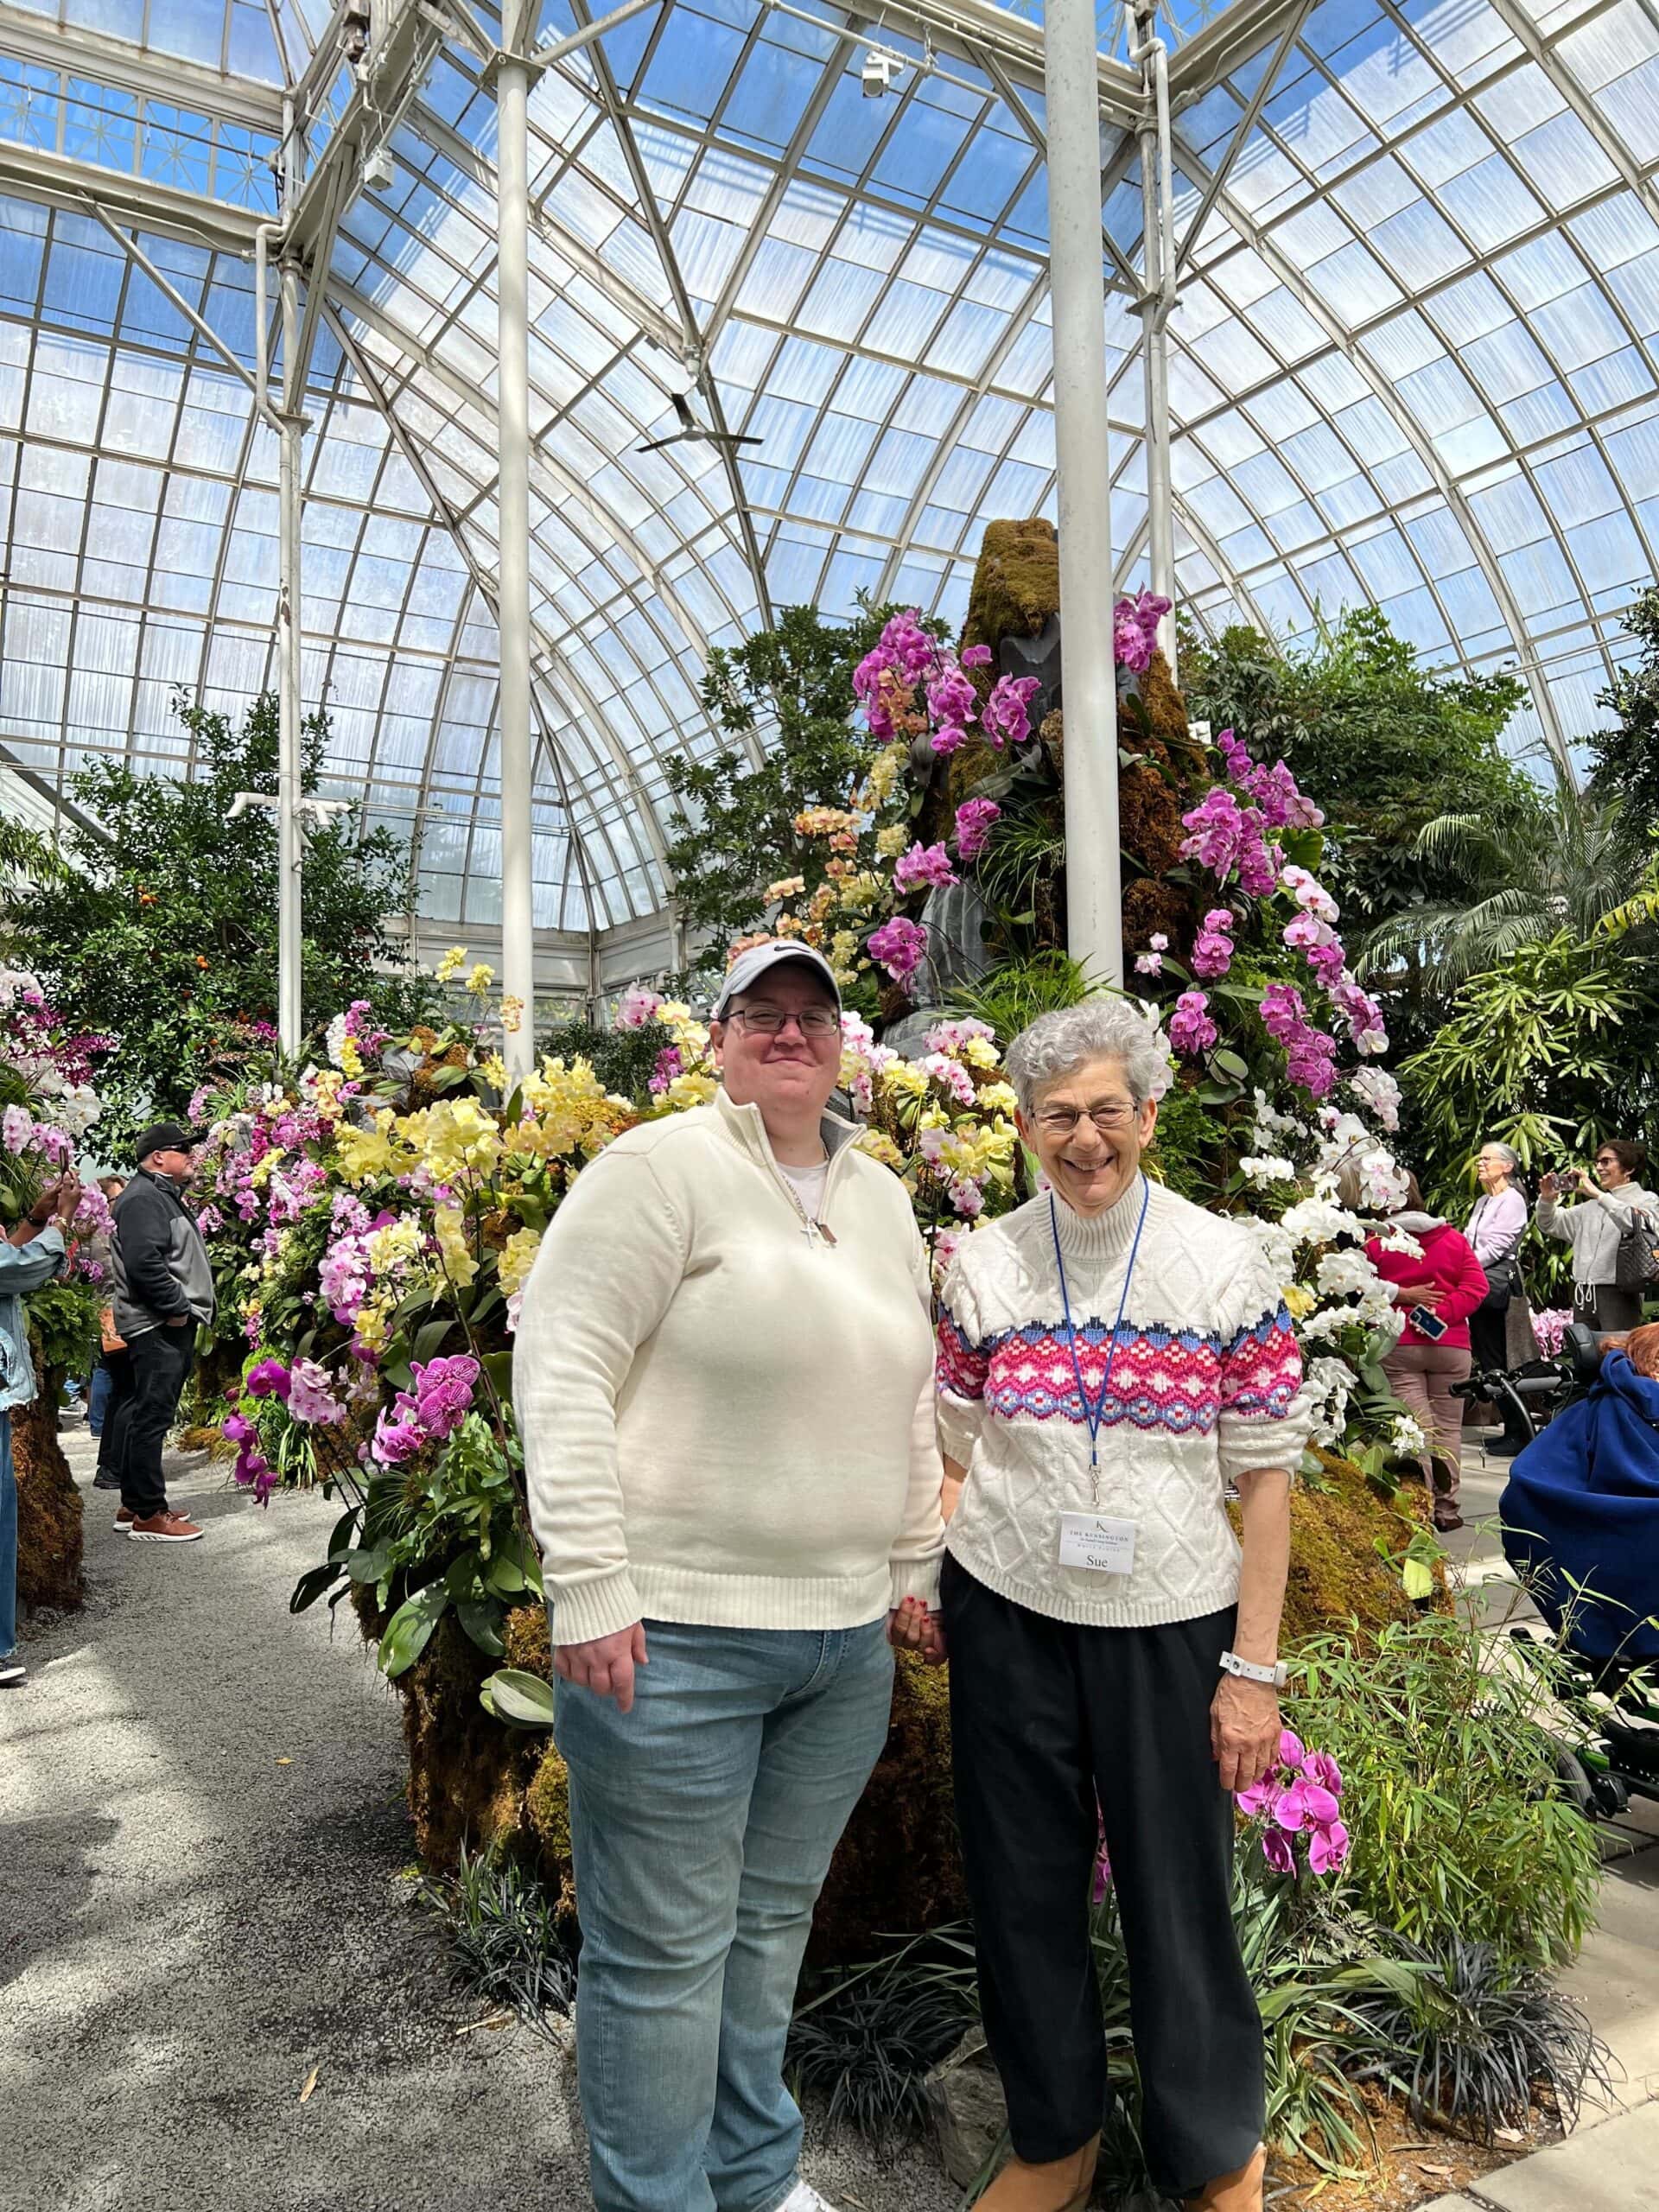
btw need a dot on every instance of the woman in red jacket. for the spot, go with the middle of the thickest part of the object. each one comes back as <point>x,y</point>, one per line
<point>1448,1282</point>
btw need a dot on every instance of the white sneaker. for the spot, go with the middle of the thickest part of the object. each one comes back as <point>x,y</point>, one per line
<point>804,2198</point>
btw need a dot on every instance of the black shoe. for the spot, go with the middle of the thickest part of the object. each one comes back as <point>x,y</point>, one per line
<point>1505,1447</point>
<point>102,1481</point>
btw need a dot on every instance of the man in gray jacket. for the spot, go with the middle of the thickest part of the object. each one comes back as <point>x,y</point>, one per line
<point>164,1289</point>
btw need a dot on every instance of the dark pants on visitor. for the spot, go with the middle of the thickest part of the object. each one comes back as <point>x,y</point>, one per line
<point>160,1360</point>
<point>1045,1716</point>
<point>118,1404</point>
<point>1606,1307</point>
<point>1489,1327</point>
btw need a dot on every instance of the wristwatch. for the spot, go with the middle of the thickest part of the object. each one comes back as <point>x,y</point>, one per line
<point>1275,1676</point>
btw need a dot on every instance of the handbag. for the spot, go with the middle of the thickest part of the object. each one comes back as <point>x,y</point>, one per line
<point>1502,1281</point>
<point>1637,1264</point>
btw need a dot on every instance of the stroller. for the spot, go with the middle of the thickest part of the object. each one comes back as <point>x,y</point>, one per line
<point>1580,1525</point>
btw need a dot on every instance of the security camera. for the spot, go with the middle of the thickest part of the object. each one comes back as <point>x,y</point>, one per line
<point>378,170</point>
<point>878,73</point>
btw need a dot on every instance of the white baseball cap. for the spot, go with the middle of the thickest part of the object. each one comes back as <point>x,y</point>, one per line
<point>760,960</point>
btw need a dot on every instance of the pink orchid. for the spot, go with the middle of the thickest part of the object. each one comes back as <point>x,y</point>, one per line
<point>1191,1029</point>
<point>1278,1851</point>
<point>923,865</point>
<point>1327,1847</point>
<point>975,817</point>
<point>901,946</point>
<point>977,657</point>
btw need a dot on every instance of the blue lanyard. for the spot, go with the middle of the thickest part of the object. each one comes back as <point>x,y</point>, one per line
<point>1094,1414</point>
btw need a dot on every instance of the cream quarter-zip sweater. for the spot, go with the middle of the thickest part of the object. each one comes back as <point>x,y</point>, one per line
<point>724,1419</point>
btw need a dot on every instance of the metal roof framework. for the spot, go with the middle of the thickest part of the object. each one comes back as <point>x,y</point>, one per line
<point>1415,362</point>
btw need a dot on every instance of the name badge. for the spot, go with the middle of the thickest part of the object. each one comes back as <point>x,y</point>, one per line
<point>1098,1542</point>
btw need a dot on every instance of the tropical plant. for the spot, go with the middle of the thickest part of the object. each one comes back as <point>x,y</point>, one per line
<point>1549,1052</point>
<point>1538,865</point>
<point>162,934</point>
<point>1459,1830</point>
<point>1469,2038</point>
<point>503,1931</point>
<point>1011,995</point>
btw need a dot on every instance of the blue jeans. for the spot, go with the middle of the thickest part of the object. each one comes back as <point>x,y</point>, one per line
<point>98,1396</point>
<point>702,1826</point>
<point>7,1542</point>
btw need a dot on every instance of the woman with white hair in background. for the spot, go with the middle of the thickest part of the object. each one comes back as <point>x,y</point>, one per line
<point>1110,1357</point>
<point>1500,1328</point>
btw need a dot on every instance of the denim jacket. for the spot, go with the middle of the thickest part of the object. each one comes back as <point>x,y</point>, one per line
<point>22,1267</point>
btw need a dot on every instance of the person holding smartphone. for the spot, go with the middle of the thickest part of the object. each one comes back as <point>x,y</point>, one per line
<point>1611,1200</point>
<point>1438,1283</point>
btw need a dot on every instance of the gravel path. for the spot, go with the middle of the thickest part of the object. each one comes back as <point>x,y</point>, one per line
<point>206,1892</point>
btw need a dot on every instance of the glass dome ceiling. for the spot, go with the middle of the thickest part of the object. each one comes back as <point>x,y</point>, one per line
<point>1414,363</point>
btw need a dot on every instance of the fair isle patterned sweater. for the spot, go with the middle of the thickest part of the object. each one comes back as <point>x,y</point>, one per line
<point>1205,1386</point>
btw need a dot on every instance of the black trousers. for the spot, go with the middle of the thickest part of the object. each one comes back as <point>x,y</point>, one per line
<point>117,1365</point>
<point>1043,1716</point>
<point>160,1361</point>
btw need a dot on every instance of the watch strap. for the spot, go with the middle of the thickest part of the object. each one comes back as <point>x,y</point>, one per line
<point>1273,1676</point>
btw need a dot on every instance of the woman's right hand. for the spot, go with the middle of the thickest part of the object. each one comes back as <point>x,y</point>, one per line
<point>1549,1186</point>
<point>1417,1293</point>
<point>606,1665</point>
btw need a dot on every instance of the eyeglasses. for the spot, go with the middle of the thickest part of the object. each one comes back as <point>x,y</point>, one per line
<point>771,1020</point>
<point>1060,1121</point>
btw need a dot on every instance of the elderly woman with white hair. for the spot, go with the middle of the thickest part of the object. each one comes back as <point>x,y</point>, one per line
<point>1500,1328</point>
<point>1110,1357</point>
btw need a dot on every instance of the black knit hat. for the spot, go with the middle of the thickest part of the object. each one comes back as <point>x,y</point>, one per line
<point>163,1136</point>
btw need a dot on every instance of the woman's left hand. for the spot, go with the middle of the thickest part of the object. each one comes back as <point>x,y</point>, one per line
<point>1244,1727</point>
<point>910,1627</point>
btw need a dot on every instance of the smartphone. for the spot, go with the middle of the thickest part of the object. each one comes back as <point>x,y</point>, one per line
<point>1427,1323</point>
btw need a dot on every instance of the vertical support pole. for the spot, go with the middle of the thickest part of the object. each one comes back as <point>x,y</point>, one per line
<point>1158,268</point>
<point>1077,286</point>
<point>1154,354</point>
<point>289,834</point>
<point>512,338</point>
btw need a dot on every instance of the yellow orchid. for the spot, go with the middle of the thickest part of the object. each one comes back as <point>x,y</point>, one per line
<point>452,964</point>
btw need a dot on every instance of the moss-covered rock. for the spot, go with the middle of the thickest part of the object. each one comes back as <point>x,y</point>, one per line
<point>1016,585</point>
<point>48,1507</point>
<point>1337,1573</point>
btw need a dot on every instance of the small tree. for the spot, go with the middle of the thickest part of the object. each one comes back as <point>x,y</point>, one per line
<point>163,931</point>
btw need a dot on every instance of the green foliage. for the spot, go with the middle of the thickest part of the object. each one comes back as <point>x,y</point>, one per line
<point>1187,1144</point>
<point>164,932</point>
<point>621,1058</point>
<point>504,1933</point>
<point>450,1535</point>
<point>1013,995</point>
<point>1466,2040</point>
<point>1460,1829</point>
<point>790,690</point>
<point>64,1327</point>
<point>1626,756</point>
<point>1550,1053</point>
<point>1524,870</point>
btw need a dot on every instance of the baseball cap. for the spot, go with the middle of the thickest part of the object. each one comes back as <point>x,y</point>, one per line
<point>164,1136</point>
<point>760,960</point>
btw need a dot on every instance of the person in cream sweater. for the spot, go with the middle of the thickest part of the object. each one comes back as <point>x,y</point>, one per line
<point>724,1375</point>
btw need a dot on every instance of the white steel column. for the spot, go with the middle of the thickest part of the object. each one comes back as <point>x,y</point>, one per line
<point>512,619</point>
<point>289,834</point>
<point>1158,264</point>
<point>1078,288</point>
